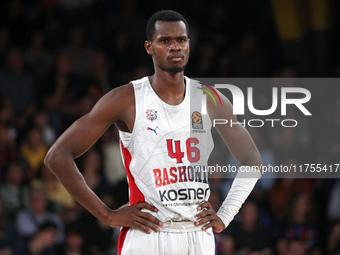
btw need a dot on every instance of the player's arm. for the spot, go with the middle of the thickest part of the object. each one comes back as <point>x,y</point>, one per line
<point>243,148</point>
<point>235,136</point>
<point>117,105</point>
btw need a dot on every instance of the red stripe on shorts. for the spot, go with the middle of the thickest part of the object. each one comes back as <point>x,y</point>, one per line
<point>121,239</point>
<point>136,196</point>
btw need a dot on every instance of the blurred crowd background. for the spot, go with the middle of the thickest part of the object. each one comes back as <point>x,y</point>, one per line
<point>58,57</point>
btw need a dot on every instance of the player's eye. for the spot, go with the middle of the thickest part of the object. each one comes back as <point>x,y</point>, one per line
<point>164,41</point>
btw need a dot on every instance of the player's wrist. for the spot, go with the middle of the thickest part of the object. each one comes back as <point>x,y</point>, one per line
<point>107,216</point>
<point>223,224</point>
<point>225,216</point>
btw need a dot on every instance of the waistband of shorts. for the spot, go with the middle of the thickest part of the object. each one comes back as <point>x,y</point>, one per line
<point>180,227</point>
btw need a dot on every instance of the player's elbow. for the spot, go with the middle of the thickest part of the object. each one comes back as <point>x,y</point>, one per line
<point>51,157</point>
<point>48,160</point>
<point>253,159</point>
<point>258,159</point>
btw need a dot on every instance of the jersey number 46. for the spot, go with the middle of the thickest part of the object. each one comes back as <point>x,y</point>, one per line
<point>193,153</point>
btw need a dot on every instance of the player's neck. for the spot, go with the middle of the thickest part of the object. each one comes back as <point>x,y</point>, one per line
<point>169,87</point>
<point>165,80</point>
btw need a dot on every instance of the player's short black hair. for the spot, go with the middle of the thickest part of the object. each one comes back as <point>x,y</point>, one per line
<point>163,15</point>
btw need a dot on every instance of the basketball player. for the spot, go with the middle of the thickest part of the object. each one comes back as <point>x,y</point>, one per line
<point>163,136</point>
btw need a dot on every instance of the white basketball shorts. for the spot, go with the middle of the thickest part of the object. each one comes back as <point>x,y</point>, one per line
<point>176,238</point>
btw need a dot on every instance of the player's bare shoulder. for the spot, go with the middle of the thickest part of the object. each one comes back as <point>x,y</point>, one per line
<point>126,99</point>
<point>116,104</point>
<point>123,96</point>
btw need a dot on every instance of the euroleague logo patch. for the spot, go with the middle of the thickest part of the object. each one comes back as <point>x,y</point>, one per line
<point>197,121</point>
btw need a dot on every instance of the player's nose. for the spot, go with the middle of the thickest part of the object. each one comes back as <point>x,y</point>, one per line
<point>174,46</point>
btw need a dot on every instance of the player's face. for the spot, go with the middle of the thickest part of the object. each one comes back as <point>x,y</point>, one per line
<point>169,47</point>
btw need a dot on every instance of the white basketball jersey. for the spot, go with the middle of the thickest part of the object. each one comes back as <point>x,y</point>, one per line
<point>164,154</point>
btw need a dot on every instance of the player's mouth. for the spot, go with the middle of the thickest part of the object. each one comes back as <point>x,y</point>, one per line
<point>176,57</point>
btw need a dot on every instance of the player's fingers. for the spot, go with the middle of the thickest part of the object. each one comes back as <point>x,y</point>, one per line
<point>208,225</point>
<point>141,227</point>
<point>145,205</point>
<point>148,224</point>
<point>205,205</point>
<point>204,214</point>
<point>205,220</point>
<point>151,218</point>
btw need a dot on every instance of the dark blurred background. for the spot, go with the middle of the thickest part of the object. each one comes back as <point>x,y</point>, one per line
<point>58,57</point>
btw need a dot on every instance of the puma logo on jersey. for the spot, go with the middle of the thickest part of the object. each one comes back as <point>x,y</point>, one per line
<point>151,114</point>
<point>154,130</point>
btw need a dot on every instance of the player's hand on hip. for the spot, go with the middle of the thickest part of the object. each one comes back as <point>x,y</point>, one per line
<point>208,218</point>
<point>132,216</point>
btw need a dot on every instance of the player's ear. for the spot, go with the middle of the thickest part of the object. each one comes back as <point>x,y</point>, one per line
<point>147,46</point>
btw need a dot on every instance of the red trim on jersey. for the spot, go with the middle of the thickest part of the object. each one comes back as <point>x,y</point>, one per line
<point>136,196</point>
